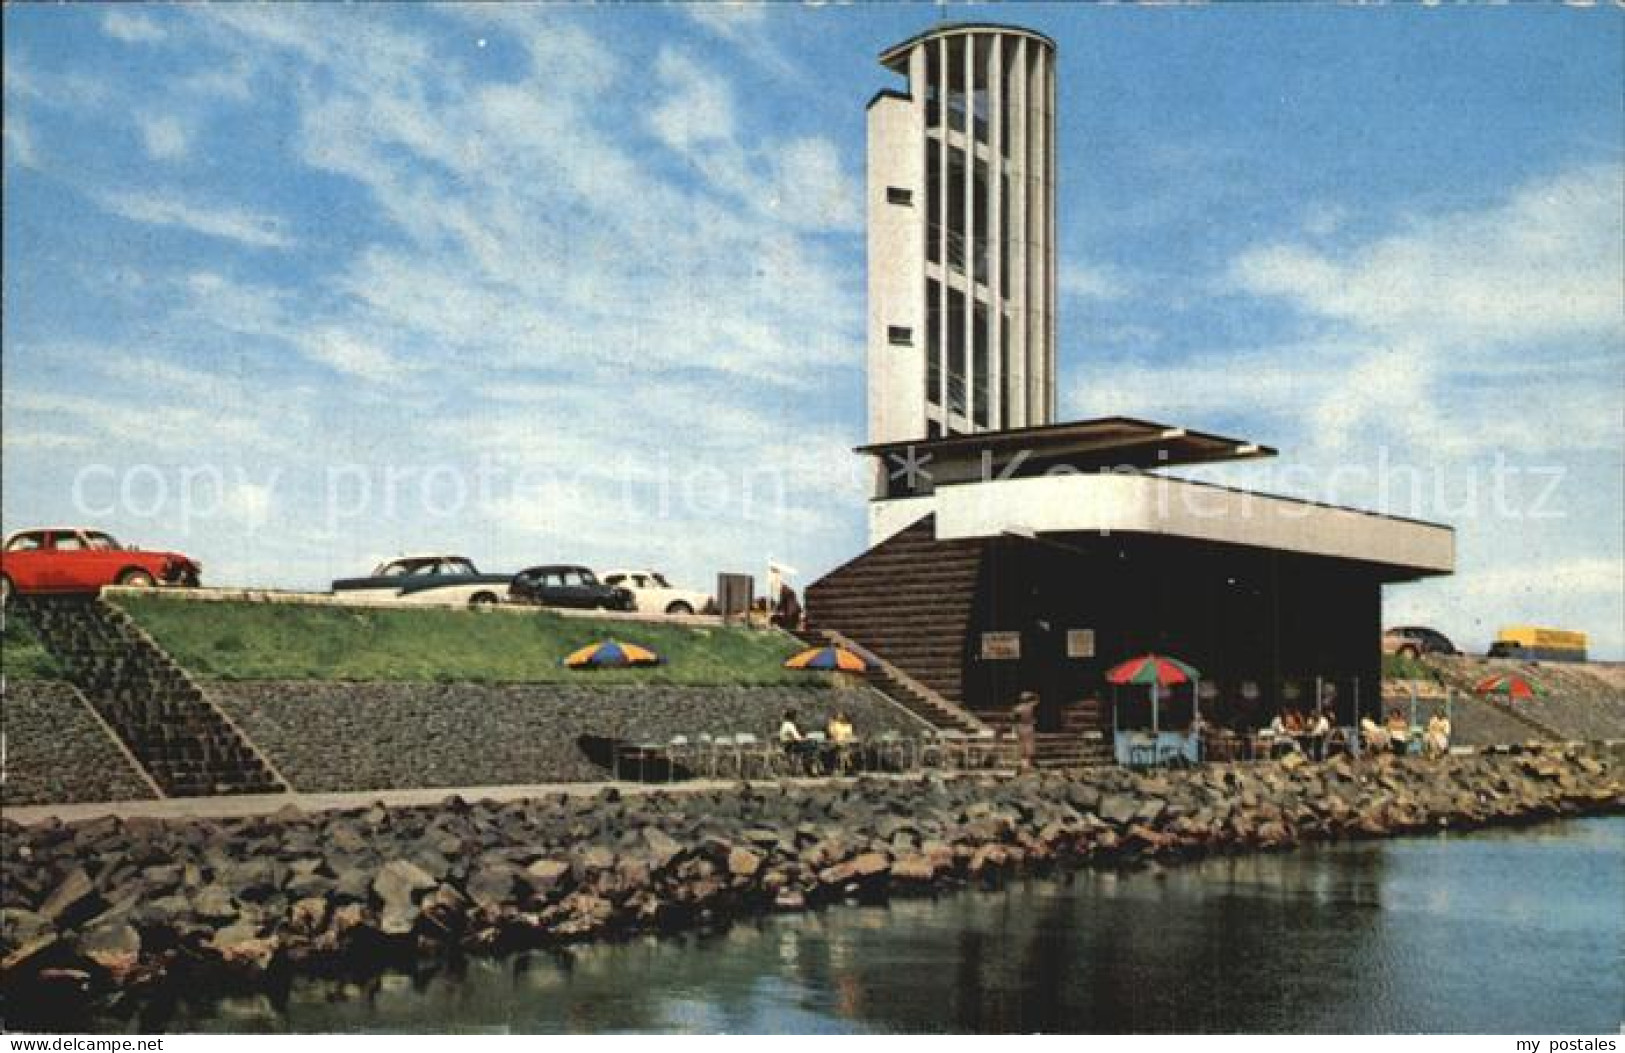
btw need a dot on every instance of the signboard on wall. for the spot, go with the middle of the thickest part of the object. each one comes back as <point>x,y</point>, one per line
<point>1080,643</point>
<point>734,594</point>
<point>1001,647</point>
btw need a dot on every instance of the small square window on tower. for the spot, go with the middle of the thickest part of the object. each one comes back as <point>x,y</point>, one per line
<point>900,335</point>
<point>899,195</point>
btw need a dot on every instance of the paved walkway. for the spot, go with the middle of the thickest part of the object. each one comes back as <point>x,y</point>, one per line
<point>265,804</point>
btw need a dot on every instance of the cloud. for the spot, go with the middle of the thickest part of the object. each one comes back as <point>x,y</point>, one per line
<point>666,302</point>
<point>164,137</point>
<point>1544,264</point>
<point>747,27</point>
<point>1085,282</point>
<point>131,27</point>
<point>217,221</point>
<point>697,110</point>
<point>348,354</point>
<point>19,142</point>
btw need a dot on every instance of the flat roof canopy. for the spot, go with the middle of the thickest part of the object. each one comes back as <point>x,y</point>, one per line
<point>1086,445</point>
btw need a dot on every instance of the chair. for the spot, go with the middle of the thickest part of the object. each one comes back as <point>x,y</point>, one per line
<point>724,751</point>
<point>810,758</point>
<point>705,754</point>
<point>679,749</point>
<point>751,749</point>
<point>1142,750</point>
<point>891,747</point>
<point>927,747</point>
<point>1344,739</point>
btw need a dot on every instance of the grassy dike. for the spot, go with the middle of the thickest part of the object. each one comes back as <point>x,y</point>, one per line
<point>284,641</point>
<point>22,657</point>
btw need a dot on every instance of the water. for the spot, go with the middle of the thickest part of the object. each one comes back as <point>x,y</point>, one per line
<point>1501,932</point>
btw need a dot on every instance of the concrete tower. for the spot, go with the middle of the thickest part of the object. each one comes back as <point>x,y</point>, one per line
<point>961,188</point>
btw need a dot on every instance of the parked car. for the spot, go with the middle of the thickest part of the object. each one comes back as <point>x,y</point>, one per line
<point>1414,641</point>
<point>427,579</point>
<point>565,585</point>
<point>651,592</point>
<point>73,559</point>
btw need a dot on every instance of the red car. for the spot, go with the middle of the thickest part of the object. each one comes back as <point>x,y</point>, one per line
<point>67,559</point>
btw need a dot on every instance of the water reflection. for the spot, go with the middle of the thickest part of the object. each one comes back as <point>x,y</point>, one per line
<point>1498,932</point>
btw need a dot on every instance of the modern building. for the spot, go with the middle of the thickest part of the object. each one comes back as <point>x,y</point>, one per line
<point>1012,553</point>
<point>961,192</point>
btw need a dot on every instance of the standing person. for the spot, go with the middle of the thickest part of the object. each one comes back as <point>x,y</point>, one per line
<point>1026,722</point>
<point>1320,729</point>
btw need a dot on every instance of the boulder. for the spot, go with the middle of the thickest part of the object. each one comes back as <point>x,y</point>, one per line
<point>308,916</point>
<point>663,848</point>
<point>18,926</point>
<point>72,900</point>
<point>397,887</point>
<point>545,875</point>
<point>114,946</point>
<point>214,904</point>
<point>1118,809</point>
<point>744,863</point>
<point>915,868</point>
<point>242,949</point>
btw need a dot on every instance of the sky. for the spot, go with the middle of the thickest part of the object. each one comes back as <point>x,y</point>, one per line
<point>297,288</point>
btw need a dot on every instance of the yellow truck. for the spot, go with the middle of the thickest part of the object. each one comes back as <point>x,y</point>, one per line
<point>1532,641</point>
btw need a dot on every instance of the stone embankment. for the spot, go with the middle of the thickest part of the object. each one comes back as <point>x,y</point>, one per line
<point>113,912</point>
<point>336,736</point>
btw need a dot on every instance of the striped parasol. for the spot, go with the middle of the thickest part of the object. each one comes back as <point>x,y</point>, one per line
<point>836,658</point>
<point>610,654</point>
<point>1158,672</point>
<point>1152,669</point>
<point>1509,684</point>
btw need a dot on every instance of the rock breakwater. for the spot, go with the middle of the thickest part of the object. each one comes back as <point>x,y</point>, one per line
<point>110,912</point>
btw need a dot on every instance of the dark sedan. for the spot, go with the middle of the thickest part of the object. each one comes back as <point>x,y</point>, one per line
<point>568,586</point>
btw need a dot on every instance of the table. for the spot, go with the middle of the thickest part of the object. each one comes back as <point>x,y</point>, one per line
<point>642,753</point>
<point>1137,748</point>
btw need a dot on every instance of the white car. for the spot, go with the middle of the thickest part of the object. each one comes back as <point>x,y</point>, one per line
<point>427,579</point>
<point>654,594</point>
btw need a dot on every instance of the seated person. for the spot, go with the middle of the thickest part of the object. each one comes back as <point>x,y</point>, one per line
<point>1399,730</point>
<point>1436,739</point>
<point>842,737</point>
<point>1374,735</point>
<point>791,738</point>
<point>1279,736</point>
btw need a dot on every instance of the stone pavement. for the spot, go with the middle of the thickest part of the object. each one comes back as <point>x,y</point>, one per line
<point>241,805</point>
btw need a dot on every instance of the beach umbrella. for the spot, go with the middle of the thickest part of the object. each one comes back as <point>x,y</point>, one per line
<point>836,658</point>
<point>1508,684</point>
<point>610,654</point>
<point>1156,670</point>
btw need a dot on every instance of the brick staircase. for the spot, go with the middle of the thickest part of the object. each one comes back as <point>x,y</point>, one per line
<point>903,689</point>
<point>907,601</point>
<point>1083,739</point>
<point>188,745</point>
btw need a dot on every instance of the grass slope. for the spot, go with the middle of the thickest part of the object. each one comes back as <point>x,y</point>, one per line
<point>21,655</point>
<point>265,641</point>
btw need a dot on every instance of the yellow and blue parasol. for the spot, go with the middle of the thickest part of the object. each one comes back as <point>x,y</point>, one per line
<point>835,658</point>
<point>611,654</point>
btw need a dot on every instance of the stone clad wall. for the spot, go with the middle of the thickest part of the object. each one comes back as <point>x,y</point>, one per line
<point>326,736</point>
<point>56,752</point>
